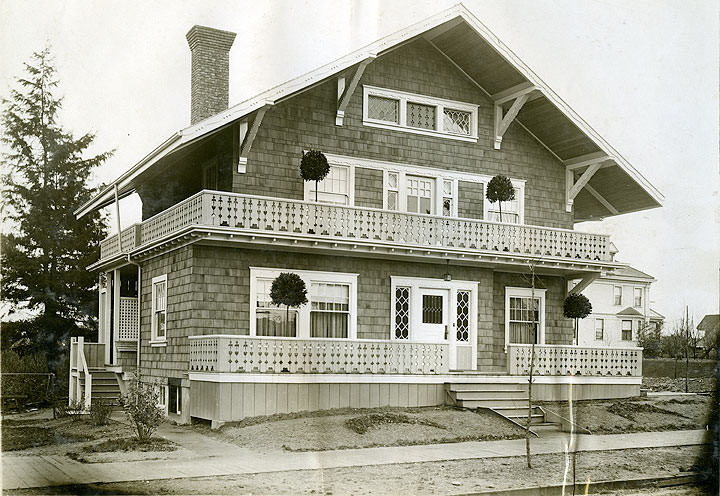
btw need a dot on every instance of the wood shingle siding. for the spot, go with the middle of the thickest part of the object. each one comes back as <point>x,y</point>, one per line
<point>368,188</point>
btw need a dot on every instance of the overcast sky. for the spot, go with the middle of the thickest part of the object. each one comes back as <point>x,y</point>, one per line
<point>643,73</point>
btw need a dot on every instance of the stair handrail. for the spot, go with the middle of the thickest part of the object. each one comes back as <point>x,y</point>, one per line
<point>86,372</point>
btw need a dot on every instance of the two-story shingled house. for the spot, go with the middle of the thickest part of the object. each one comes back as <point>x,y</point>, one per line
<point>416,289</point>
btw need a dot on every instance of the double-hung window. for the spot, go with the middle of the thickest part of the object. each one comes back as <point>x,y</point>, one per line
<point>617,295</point>
<point>271,319</point>
<point>638,297</point>
<point>508,212</point>
<point>599,329</point>
<point>331,311</point>
<point>158,325</point>
<point>337,187</point>
<point>524,316</point>
<point>627,330</point>
<point>410,112</point>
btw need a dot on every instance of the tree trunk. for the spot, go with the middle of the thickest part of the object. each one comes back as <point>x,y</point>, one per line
<point>316,191</point>
<point>500,207</point>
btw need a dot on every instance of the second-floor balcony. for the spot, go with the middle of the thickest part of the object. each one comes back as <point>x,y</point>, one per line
<point>299,223</point>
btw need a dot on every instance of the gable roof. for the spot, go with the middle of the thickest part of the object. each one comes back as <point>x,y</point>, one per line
<point>709,323</point>
<point>627,272</point>
<point>473,49</point>
<point>630,312</point>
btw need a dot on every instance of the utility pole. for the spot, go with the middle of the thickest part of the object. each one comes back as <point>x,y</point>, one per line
<point>687,343</point>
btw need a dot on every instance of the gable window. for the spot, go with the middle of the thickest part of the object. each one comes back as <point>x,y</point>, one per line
<point>420,114</point>
<point>337,187</point>
<point>599,329</point>
<point>331,311</point>
<point>158,325</point>
<point>627,330</point>
<point>617,295</point>
<point>638,296</point>
<point>524,316</point>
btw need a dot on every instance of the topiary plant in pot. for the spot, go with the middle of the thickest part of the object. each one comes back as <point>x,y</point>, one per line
<point>288,289</point>
<point>500,189</point>
<point>314,167</point>
<point>576,306</point>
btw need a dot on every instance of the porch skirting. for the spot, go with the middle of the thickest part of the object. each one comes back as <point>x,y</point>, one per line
<point>231,397</point>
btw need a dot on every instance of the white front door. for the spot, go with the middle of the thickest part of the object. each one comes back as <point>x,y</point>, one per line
<point>432,315</point>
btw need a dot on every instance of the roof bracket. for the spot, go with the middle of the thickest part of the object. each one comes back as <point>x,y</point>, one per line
<point>572,187</point>
<point>246,138</point>
<point>344,93</point>
<point>502,122</point>
<point>584,283</point>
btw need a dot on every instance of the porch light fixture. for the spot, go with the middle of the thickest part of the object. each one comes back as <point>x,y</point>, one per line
<point>448,275</point>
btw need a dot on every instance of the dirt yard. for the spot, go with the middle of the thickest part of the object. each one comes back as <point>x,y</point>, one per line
<point>653,413</point>
<point>695,384</point>
<point>436,478</point>
<point>382,427</point>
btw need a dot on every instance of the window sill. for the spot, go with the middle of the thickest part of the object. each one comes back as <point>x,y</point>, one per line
<point>158,343</point>
<point>425,132</point>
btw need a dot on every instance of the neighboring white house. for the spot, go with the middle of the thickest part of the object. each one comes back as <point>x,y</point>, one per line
<point>621,306</point>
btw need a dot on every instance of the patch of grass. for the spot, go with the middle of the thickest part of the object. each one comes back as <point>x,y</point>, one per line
<point>363,423</point>
<point>629,410</point>
<point>22,437</point>
<point>124,444</point>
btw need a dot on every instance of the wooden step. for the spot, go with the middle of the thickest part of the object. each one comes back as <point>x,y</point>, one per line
<point>485,386</point>
<point>480,394</point>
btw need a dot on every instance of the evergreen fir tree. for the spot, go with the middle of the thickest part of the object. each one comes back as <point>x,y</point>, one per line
<point>45,178</point>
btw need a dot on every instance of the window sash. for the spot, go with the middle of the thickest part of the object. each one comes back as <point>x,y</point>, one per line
<point>626,330</point>
<point>617,295</point>
<point>159,308</point>
<point>335,188</point>
<point>599,329</point>
<point>638,297</point>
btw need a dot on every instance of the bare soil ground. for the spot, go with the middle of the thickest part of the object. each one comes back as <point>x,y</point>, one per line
<point>39,434</point>
<point>352,428</point>
<point>644,414</point>
<point>695,384</point>
<point>441,478</point>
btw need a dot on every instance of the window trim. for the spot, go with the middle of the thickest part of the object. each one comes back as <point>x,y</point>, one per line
<point>439,103</point>
<point>154,338</point>
<point>308,276</point>
<point>514,292</point>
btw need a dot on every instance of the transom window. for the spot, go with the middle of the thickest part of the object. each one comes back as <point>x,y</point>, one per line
<point>524,316</point>
<point>331,311</point>
<point>158,325</point>
<point>419,113</point>
<point>336,188</point>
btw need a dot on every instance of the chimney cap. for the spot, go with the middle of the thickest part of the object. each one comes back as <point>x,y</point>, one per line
<point>207,36</point>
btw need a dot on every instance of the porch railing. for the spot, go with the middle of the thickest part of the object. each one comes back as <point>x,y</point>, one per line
<point>294,217</point>
<point>80,389</point>
<point>225,353</point>
<point>575,360</point>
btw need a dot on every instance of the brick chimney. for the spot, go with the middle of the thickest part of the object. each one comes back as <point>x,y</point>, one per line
<point>209,81</point>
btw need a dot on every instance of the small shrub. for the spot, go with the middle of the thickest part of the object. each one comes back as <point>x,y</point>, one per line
<point>100,412</point>
<point>141,406</point>
<point>75,410</point>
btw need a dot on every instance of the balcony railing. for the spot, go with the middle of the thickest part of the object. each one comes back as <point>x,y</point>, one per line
<point>223,353</point>
<point>293,217</point>
<point>575,360</point>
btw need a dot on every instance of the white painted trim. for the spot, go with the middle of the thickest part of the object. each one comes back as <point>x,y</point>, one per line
<point>415,283</point>
<point>230,377</point>
<point>524,293</point>
<point>308,276</point>
<point>154,339</point>
<point>440,104</point>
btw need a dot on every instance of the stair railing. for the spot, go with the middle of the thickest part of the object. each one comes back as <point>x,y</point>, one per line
<point>78,369</point>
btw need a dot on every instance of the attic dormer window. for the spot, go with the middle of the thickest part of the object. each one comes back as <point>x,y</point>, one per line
<point>399,110</point>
